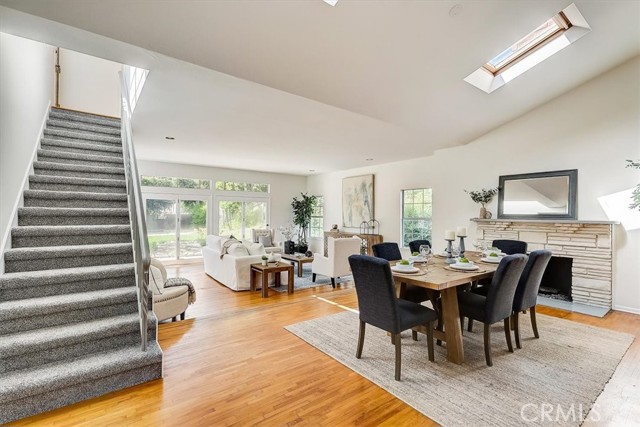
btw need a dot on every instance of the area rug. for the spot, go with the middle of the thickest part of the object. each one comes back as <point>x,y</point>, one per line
<point>305,282</point>
<point>553,380</point>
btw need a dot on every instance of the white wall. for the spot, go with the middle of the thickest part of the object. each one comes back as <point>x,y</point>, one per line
<point>89,84</point>
<point>592,128</point>
<point>283,187</point>
<point>26,89</point>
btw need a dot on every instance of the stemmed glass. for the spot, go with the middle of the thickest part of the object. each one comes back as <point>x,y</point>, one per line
<point>455,252</point>
<point>425,253</point>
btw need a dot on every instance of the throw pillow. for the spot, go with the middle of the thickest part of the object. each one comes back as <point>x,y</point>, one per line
<point>255,248</point>
<point>265,241</point>
<point>238,249</point>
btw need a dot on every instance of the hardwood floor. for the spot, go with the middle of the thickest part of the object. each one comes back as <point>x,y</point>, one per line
<point>231,363</point>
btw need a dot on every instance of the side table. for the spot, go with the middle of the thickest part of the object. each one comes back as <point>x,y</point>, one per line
<point>275,268</point>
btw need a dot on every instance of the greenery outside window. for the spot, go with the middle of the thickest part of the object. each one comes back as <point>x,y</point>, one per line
<point>317,218</point>
<point>172,182</point>
<point>242,186</point>
<point>416,215</point>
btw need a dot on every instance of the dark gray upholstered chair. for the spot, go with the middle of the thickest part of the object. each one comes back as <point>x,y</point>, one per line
<point>511,247</point>
<point>526,296</point>
<point>391,252</point>
<point>379,306</point>
<point>497,305</point>
<point>414,246</point>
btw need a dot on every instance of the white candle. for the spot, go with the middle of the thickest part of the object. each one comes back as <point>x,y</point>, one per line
<point>449,235</point>
<point>461,231</point>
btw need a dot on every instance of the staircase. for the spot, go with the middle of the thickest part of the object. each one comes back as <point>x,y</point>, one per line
<point>69,321</point>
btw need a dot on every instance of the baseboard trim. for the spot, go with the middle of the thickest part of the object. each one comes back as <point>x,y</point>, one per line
<point>632,310</point>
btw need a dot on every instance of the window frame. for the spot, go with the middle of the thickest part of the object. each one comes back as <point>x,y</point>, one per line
<point>319,205</point>
<point>403,219</point>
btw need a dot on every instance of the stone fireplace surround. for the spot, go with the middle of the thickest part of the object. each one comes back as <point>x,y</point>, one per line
<point>589,243</point>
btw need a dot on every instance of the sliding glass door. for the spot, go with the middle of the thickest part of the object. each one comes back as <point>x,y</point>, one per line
<point>237,216</point>
<point>176,227</point>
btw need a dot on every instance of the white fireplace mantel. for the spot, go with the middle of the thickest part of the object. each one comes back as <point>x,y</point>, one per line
<point>546,221</point>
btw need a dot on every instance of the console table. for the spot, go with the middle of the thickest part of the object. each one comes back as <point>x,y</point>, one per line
<point>368,240</point>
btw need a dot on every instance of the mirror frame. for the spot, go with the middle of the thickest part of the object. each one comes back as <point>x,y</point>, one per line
<point>572,174</point>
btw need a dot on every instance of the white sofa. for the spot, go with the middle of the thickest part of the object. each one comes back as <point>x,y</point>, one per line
<point>233,270</point>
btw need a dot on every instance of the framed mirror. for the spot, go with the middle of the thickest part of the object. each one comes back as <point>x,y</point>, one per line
<point>543,195</point>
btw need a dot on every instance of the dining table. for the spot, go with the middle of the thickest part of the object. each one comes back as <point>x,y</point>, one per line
<point>438,275</point>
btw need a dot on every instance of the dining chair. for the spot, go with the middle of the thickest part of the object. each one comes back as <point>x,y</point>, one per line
<point>526,296</point>
<point>414,246</point>
<point>511,247</point>
<point>497,304</point>
<point>379,306</point>
<point>391,252</point>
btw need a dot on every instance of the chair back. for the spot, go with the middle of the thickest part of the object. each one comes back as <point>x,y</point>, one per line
<point>376,292</point>
<point>415,245</point>
<point>338,250</point>
<point>257,232</point>
<point>503,287</point>
<point>387,250</point>
<point>529,284</point>
<point>511,247</point>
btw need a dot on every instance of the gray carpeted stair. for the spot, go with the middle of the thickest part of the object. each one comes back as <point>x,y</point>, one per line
<point>69,321</point>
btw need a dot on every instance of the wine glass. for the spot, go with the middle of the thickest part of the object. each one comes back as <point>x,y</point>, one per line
<point>455,251</point>
<point>425,251</point>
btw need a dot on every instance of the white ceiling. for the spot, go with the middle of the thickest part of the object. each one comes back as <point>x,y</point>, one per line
<point>290,86</point>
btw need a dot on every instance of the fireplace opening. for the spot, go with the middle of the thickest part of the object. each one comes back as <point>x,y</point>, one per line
<point>557,279</point>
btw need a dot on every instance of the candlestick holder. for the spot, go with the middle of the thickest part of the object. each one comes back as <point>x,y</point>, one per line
<point>450,259</point>
<point>461,245</point>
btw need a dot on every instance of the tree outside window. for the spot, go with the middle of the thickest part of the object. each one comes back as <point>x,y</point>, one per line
<point>416,215</point>
<point>317,218</point>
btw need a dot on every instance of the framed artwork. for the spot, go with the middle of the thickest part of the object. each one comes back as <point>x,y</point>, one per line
<point>357,200</point>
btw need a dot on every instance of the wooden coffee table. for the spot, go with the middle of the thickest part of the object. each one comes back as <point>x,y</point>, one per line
<point>300,260</point>
<point>275,268</point>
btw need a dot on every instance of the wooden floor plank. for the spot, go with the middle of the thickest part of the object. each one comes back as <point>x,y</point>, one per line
<point>231,363</point>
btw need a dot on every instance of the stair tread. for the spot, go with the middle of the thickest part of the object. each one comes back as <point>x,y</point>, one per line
<point>81,145</point>
<point>57,336</point>
<point>15,254</point>
<point>79,156</point>
<point>77,168</point>
<point>54,194</point>
<point>78,181</point>
<point>75,114</point>
<point>82,135</point>
<point>57,122</point>
<point>20,384</point>
<point>69,230</point>
<point>47,211</point>
<point>41,306</point>
<point>62,275</point>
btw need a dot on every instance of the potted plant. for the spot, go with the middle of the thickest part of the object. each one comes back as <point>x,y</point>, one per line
<point>483,197</point>
<point>265,259</point>
<point>302,210</point>
<point>288,231</point>
<point>635,196</point>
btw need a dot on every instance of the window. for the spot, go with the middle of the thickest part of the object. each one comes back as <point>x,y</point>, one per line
<point>171,182</point>
<point>242,186</point>
<point>317,218</point>
<point>416,215</point>
<point>556,33</point>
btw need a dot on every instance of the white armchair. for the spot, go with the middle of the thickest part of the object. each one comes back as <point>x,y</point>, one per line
<point>270,245</point>
<point>336,264</point>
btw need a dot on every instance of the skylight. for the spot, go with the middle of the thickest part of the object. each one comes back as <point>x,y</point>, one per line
<point>550,37</point>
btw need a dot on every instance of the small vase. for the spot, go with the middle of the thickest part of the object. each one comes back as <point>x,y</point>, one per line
<point>483,213</point>
<point>264,262</point>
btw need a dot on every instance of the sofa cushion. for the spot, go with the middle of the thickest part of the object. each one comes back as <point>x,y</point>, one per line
<point>238,249</point>
<point>257,232</point>
<point>214,242</point>
<point>255,248</point>
<point>265,241</point>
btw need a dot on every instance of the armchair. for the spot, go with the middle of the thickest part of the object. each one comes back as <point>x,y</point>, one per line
<point>168,301</point>
<point>266,237</point>
<point>336,264</point>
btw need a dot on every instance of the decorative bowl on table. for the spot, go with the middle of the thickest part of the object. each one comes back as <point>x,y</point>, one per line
<point>404,265</point>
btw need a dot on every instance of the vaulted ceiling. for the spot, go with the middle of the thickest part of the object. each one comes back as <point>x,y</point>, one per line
<point>294,86</point>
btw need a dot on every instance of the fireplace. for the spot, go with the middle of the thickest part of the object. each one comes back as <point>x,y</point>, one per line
<point>558,278</point>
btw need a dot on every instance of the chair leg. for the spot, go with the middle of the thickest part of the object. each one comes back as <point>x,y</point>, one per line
<point>430,341</point>
<point>534,324</point>
<point>470,326</point>
<point>487,344</point>
<point>393,339</point>
<point>515,320</point>
<point>414,335</point>
<point>333,282</point>
<point>507,333</point>
<point>398,356</point>
<point>182,315</point>
<point>360,339</point>
<point>313,277</point>
<point>462,324</point>
<point>440,326</point>
<point>174,318</point>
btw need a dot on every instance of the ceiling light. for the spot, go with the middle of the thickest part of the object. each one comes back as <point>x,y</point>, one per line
<point>331,2</point>
<point>369,159</point>
<point>312,170</point>
<point>169,138</point>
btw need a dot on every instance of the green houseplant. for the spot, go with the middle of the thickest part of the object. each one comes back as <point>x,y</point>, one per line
<point>635,196</point>
<point>483,197</point>
<point>302,210</point>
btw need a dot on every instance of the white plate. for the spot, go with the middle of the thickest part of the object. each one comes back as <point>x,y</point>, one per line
<point>405,270</point>
<point>417,258</point>
<point>465,267</point>
<point>492,259</point>
<point>486,253</point>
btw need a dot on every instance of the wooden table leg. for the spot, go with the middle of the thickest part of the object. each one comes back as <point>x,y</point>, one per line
<point>277,279</point>
<point>453,334</point>
<point>252,280</point>
<point>299,269</point>
<point>265,284</point>
<point>290,282</point>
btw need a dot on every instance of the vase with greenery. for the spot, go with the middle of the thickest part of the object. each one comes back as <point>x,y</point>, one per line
<point>288,231</point>
<point>483,197</point>
<point>635,195</point>
<point>302,210</point>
